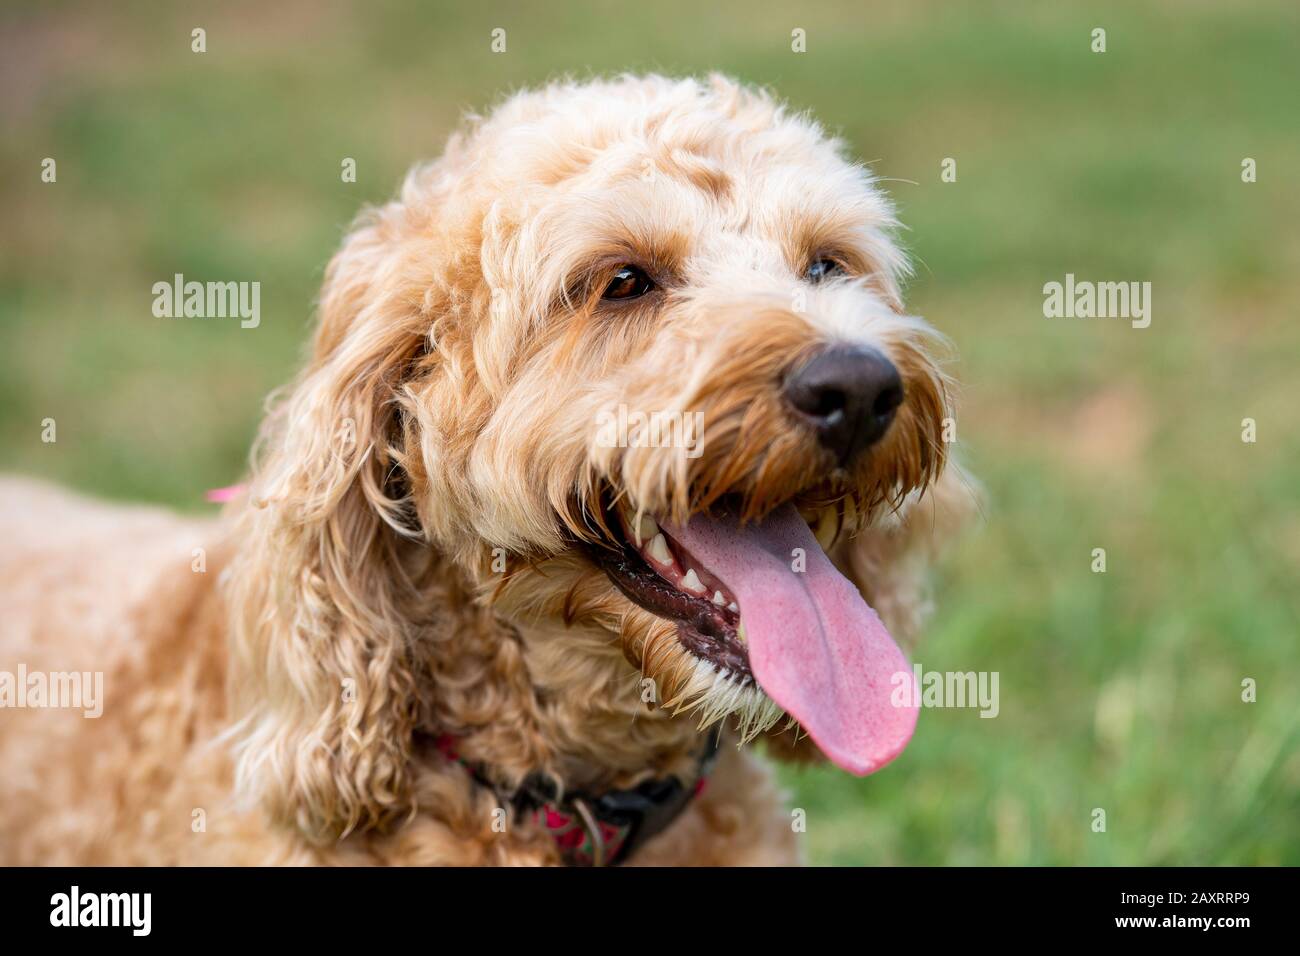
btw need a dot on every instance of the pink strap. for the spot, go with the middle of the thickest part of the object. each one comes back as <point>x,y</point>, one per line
<point>222,495</point>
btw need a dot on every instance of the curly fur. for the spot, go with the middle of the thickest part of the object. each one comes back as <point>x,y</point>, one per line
<point>405,562</point>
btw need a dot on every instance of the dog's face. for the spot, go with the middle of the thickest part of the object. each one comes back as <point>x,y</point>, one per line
<point>660,363</point>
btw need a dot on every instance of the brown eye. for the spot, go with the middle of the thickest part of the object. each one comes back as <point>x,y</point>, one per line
<point>823,269</point>
<point>629,282</point>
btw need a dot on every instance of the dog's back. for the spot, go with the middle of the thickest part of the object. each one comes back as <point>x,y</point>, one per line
<point>110,667</point>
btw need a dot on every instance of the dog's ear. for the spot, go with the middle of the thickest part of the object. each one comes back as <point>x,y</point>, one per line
<point>889,565</point>
<point>327,605</point>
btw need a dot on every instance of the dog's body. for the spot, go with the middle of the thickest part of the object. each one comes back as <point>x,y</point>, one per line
<point>420,555</point>
<point>95,587</point>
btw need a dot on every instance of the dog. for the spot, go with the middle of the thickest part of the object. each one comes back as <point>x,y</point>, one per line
<point>466,611</point>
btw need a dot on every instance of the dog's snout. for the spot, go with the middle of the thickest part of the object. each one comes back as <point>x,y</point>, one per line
<point>848,396</point>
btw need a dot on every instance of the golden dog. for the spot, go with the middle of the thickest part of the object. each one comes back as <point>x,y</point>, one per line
<point>615,445</point>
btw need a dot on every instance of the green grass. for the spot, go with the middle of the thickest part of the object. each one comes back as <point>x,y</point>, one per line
<point>1118,691</point>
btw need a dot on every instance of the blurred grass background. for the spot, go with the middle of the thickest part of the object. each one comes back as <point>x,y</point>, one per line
<point>1118,690</point>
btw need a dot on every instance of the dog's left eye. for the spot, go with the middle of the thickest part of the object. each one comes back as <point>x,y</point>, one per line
<point>823,269</point>
<point>629,282</point>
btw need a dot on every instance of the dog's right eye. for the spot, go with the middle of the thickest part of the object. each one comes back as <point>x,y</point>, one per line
<point>823,269</point>
<point>629,282</point>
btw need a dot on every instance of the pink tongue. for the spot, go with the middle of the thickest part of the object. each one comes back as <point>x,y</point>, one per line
<point>816,648</point>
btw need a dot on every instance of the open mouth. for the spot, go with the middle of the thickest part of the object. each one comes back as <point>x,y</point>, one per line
<point>655,571</point>
<point>761,602</point>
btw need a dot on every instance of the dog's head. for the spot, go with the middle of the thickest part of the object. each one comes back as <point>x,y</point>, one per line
<point>632,357</point>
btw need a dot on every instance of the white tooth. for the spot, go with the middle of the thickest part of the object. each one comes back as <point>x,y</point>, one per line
<point>732,607</point>
<point>692,582</point>
<point>659,551</point>
<point>646,530</point>
<point>718,599</point>
<point>740,632</point>
<point>824,530</point>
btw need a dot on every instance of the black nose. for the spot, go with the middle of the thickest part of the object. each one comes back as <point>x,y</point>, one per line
<point>848,396</point>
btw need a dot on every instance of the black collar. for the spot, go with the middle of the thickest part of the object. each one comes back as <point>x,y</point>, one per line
<point>606,828</point>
